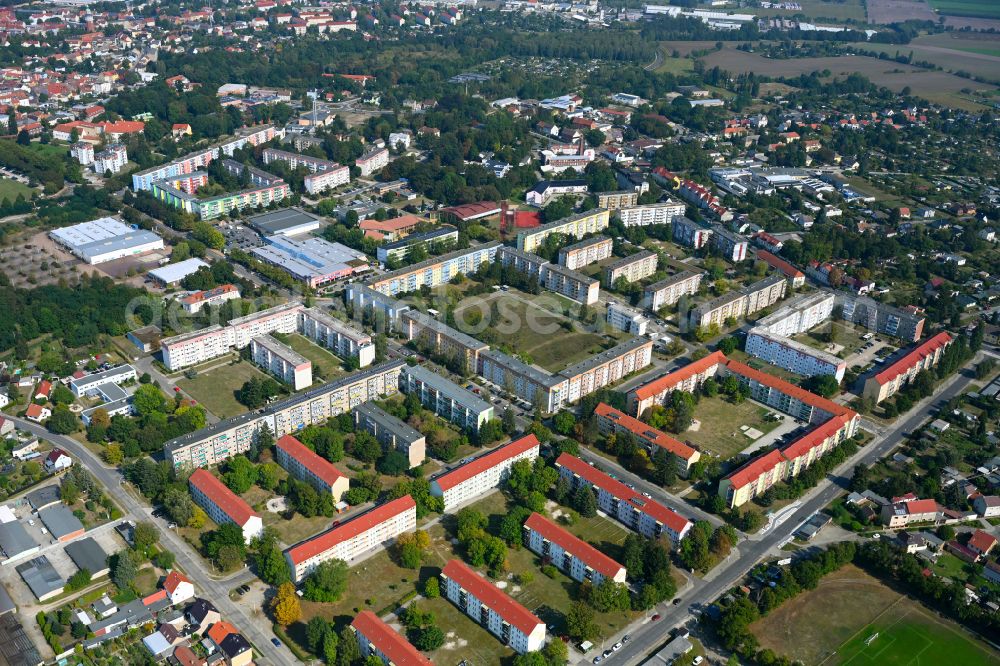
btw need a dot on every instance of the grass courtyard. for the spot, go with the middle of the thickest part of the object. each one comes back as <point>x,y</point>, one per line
<point>326,366</point>
<point>718,432</point>
<point>216,389</point>
<point>9,189</point>
<point>550,340</point>
<point>831,623</point>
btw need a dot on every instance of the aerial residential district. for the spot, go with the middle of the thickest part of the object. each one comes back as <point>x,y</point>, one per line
<point>500,332</point>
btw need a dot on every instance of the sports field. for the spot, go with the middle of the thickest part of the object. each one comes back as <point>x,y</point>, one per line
<point>831,624</point>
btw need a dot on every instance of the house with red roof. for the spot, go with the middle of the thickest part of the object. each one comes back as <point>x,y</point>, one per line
<point>795,277</point>
<point>37,413</point>
<point>637,512</point>
<point>982,542</point>
<point>223,505</point>
<point>486,604</point>
<point>910,510</point>
<point>178,587</point>
<point>306,465</point>
<point>611,420</point>
<point>390,230</point>
<point>57,460</point>
<point>377,638</point>
<point>483,473</point>
<point>43,390</point>
<point>893,378</point>
<point>570,554</point>
<point>372,529</point>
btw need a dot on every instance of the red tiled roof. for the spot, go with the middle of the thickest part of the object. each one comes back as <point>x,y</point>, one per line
<point>185,656</point>
<point>815,437</point>
<point>124,127</point>
<point>589,555</point>
<point>920,352</point>
<point>34,411</point>
<point>173,579</point>
<point>400,223</point>
<point>473,209</point>
<point>779,264</point>
<point>397,649</point>
<point>658,386</point>
<point>982,541</point>
<point>921,506</point>
<point>311,460</point>
<point>484,462</point>
<point>228,501</point>
<point>44,388</point>
<point>218,631</point>
<point>366,521</point>
<point>159,595</point>
<point>511,611</point>
<point>752,471</point>
<point>646,432</point>
<point>209,293</point>
<point>599,479</point>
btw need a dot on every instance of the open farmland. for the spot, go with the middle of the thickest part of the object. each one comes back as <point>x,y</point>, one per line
<point>882,12</point>
<point>830,624</point>
<point>975,53</point>
<point>822,10</point>
<point>940,87</point>
<point>975,8</point>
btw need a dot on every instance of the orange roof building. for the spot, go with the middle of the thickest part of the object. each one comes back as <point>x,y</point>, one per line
<point>893,378</point>
<point>375,637</point>
<point>223,505</point>
<point>572,555</point>
<point>611,420</point>
<point>483,473</point>
<point>306,465</point>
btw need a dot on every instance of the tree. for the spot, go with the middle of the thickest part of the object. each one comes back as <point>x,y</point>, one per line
<point>327,581</point>
<point>432,589</point>
<point>63,421</point>
<point>410,555</point>
<point>556,653</point>
<point>113,454</point>
<point>564,422</point>
<point>164,559</point>
<point>240,474</point>
<point>198,518</point>
<point>608,596</point>
<point>148,398</point>
<point>268,476</point>
<point>144,536</point>
<point>584,501</point>
<point>271,565</point>
<point>580,622</point>
<point>824,385</point>
<point>728,345</point>
<point>69,492</point>
<point>285,606</point>
<point>229,557</point>
<point>429,639</point>
<point>124,570</point>
<point>79,580</point>
<point>317,630</point>
<point>348,651</point>
<point>366,448</point>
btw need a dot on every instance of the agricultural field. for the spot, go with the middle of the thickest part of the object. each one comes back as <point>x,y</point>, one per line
<point>822,10</point>
<point>216,389</point>
<point>940,87</point>
<point>718,429</point>
<point>977,53</point>
<point>550,340</point>
<point>832,623</point>
<point>974,8</point>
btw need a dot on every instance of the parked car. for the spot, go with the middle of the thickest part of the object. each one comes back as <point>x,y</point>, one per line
<point>276,642</point>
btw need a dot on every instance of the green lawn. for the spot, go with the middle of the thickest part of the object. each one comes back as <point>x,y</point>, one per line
<point>326,366</point>
<point>216,389</point>
<point>538,333</point>
<point>975,8</point>
<point>720,420</point>
<point>949,566</point>
<point>910,635</point>
<point>9,189</point>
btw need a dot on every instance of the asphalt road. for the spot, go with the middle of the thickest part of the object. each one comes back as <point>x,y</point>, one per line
<point>251,622</point>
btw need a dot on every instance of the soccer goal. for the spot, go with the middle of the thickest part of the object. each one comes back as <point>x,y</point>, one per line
<point>871,639</point>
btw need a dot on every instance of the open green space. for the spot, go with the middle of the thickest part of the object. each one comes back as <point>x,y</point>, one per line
<point>540,335</point>
<point>326,366</point>
<point>216,389</point>
<point>846,10</point>
<point>718,432</point>
<point>830,624</point>
<point>975,8</point>
<point>841,334</point>
<point>9,189</point>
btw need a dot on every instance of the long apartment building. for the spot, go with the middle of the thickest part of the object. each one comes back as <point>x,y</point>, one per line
<point>795,277</point>
<point>186,349</point>
<point>390,431</point>
<point>336,336</point>
<point>586,252</point>
<point>306,465</point>
<point>482,474</point>
<point>252,136</point>
<point>640,514</point>
<point>181,192</point>
<point>904,323</point>
<point>445,398</point>
<point>770,339</point>
<point>435,271</point>
<point>553,277</point>
<point>377,638</point>
<point>687,378</point>
<point>892,379</point>
<point>372,161</point>
<point>487,605</point>
<point>323,174</point>
<point>220,441</point>
<point>383,307</point>
<point>575,226</point>
<point>753,298</point>
<point>282,361</point>
<point>372,529</point>
<point>445,340</point>
<point>617,199</point>
<point>651,214</point>
<point>633,268</point>
<point>529,382</point>
<point>223,505</point>
<point>573,556</point>
<point>670,290</point>
<point>614,421</point>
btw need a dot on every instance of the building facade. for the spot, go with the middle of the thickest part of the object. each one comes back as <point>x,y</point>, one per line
<point>390,431</point>
<point>633,267</point>
<point>482,474</point>
<point>373,529</point>
<point>614,421</point>
<point>446,399</point>
<point>586,252</point>
<point>616,200</point>
<point>571,555</point>
<point>282,361</point>
<point>223,505</point>
<point>377,638</point>
<point>372,161</point>
<point>626,319</point>
<point>793,356</point>
<point>435,271</point>
<point>651,214</point>
<point>336,336</point>
<point>576,226</point>
<point>306,465</point>
<point>444,339</point>
<point>668,291</point>
<point>892,379</point>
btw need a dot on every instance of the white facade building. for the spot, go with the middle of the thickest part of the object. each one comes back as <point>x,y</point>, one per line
<point>223,505</point>
<point>482,474</point>
<point>282,361</point>
<point>626,319</point>
<point>650,214</point>
<point>337,336</point>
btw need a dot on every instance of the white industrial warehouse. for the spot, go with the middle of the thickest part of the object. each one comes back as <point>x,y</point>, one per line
<point>105,239</point>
